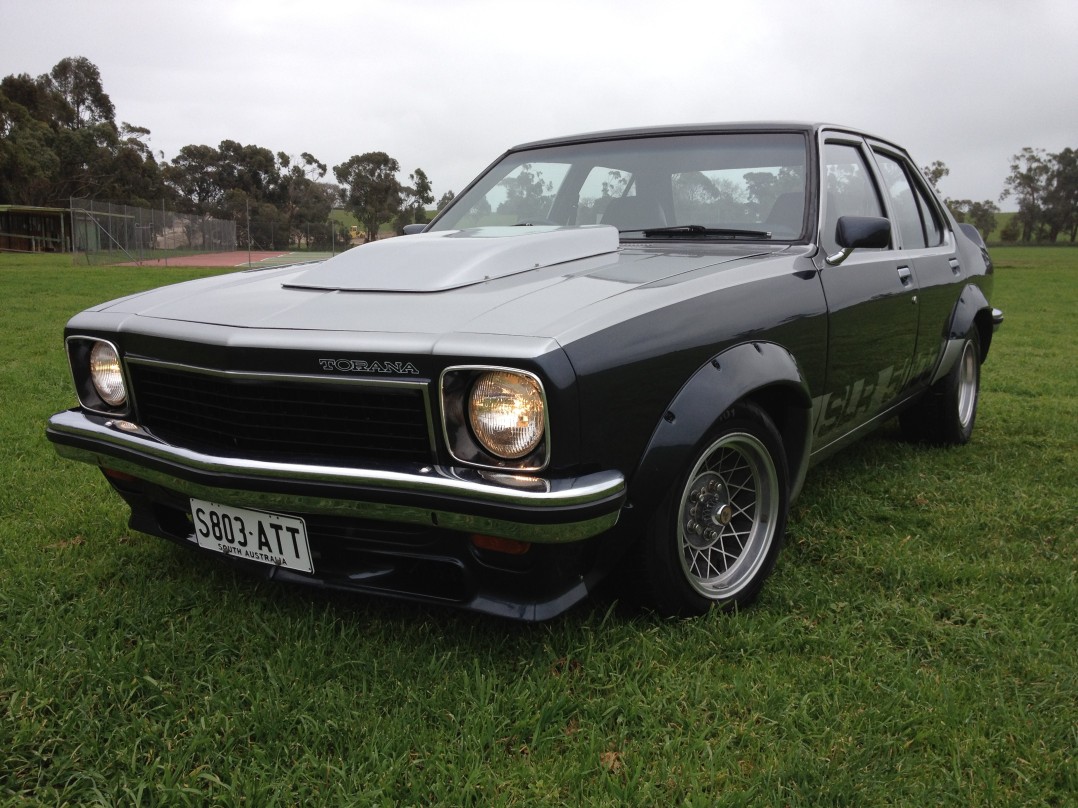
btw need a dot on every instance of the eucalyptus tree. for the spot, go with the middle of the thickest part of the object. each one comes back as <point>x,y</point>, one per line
<point>371,190</point>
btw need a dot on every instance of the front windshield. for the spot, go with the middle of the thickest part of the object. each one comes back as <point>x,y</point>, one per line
<point>735,185</point>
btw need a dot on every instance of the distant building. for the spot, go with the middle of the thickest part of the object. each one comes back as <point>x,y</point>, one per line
<point>30,229</point>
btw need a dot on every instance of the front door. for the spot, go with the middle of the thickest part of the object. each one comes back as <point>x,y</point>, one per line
<point>871,301</point>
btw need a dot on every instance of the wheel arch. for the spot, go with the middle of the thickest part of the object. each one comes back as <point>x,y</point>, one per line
<point>762,373</point>
<point>972,311</point>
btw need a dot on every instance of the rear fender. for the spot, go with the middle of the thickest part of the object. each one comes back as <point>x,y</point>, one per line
<point>971,311</point>
<point>762,372</point>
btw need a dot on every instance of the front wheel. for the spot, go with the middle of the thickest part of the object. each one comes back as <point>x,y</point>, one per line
<point>715,538</point>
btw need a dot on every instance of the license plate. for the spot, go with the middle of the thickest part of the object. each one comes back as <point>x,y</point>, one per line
<point>269,538</point>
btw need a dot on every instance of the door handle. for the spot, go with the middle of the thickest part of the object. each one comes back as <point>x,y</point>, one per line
<point>904,275</point>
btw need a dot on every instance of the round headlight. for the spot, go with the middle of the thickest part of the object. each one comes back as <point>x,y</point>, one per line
<point>105,374</point>
<point>506,413</point>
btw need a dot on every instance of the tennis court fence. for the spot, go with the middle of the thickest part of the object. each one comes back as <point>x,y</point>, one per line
<point>110,233</point>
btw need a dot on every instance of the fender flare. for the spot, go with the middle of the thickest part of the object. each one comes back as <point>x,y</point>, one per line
<point>763,372</point>
<point>972,309</point>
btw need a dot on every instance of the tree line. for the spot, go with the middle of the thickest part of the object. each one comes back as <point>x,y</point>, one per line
<point>59,138</point>
<point>1045,187</point>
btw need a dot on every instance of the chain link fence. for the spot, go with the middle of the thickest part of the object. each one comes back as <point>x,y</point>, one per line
<point>108,233</point>
<point>267,234</point>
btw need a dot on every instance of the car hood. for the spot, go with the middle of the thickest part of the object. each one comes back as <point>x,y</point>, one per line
<point>532,281</point>
<point>452,259</point>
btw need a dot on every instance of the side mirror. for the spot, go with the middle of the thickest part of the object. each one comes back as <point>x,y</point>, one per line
<point>412,229</point>
<point>852,232</point>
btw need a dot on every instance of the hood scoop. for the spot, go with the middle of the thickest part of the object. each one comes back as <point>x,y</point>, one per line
<point>436,262</point>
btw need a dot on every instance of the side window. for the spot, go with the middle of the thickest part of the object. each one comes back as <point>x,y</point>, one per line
<point>904,202</point>
<point>849,188</point>
<point>930,215</point>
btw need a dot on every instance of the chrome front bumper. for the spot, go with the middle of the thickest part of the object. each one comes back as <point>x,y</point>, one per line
<point>533,509</point>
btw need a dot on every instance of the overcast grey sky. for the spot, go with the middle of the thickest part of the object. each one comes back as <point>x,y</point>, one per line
<point>447,86</point>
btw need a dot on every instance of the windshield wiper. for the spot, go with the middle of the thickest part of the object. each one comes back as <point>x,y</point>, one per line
<point>701,231</point>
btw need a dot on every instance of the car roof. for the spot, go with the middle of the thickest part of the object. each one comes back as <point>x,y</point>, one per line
<point>696,129</point>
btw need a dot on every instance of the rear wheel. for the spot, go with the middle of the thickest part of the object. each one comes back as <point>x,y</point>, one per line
<point>946,414</point>
<point>715,538</point>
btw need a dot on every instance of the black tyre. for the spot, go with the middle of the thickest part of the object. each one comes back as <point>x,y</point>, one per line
<point>715,538</point>
<point>946,414</point>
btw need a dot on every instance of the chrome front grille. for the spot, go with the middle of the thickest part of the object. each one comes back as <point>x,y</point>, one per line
<point>283,418</point>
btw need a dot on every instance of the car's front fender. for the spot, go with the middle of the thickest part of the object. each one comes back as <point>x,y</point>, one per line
<point>762,371</point>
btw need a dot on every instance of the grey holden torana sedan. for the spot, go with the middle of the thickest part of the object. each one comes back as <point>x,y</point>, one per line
<point>613,352</point>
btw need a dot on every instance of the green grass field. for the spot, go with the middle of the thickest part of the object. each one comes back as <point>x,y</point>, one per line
<point>917,644</point>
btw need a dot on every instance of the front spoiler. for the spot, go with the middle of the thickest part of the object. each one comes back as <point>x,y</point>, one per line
<point>527,508</point>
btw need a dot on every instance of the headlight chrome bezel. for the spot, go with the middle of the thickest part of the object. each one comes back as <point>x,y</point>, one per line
<point>96,394</point>
<point>456,386</point>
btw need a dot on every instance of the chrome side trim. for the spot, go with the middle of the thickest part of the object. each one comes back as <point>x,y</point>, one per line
<point>126,447</point>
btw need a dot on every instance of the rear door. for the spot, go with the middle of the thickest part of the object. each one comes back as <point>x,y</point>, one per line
<point>927,245</point>
<point>871,298</point>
